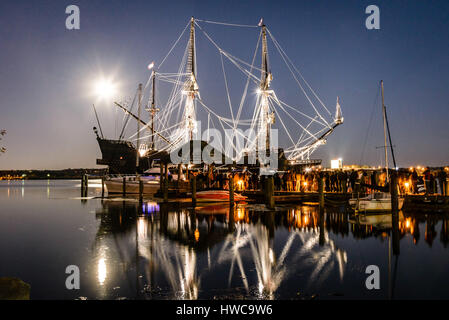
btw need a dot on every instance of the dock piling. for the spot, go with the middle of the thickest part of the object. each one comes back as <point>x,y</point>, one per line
<point>166,182</point>
<point>102,187</point>
<point>178,184</point>
<point>394,211</point>
<point>140,190</point>
<point>269,192</point>
<point>193,182</point>
<point>231,190</point>
<point>321,191</point>
<point>394,191</point>
<point>124,186</point>
<point>84,185</point>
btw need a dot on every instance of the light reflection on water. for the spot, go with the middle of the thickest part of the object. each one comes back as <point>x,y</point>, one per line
<point>102,271</point>
<point>154,251</point>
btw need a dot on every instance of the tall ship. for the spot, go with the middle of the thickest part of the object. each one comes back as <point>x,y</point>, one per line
<point>249,111</point>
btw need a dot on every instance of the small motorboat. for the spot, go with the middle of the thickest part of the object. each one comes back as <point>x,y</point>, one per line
<point>114,184</point>
<point>217,196</point>
<point>378,201</point>
<point>151,182</point>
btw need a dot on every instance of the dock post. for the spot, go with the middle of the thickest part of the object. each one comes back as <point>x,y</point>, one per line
<point>85,186</point>
<point>166,183</point>
<point>124,186</point>
<point>231,220</point>
<point>102,187</point>
<point>322,239</point>
<point>161,178</point>
<point>140,190</point>
<point>231,190</point>
<point>394,210</point>
<point>82,185</point>
<point>321,191</point>
<point>394,191</point>
<point>193,182</point>
<point>269,192</point>
<point>178,184</point>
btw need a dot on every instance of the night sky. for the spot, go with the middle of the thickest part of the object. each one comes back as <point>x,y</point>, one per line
<point>47,71</point>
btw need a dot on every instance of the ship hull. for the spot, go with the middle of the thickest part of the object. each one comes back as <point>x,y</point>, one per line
<point>120,157</point>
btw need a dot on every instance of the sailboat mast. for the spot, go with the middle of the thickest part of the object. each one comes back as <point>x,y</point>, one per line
<point>191,85</point>
<point>153,108</point>
<point>385,129</point>
<point>264,77</point>
<point>264,86</point>
<point>192,58</point>
<point>138,126</point>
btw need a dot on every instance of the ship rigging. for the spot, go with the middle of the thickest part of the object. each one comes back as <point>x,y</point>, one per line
<point>174,122</point>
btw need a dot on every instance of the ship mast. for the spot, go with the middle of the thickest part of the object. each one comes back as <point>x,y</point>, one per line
<point>191,87</point>
<point>266,119</point>
<point>153,110</point>
<point>138,126</point>
<point>384,113</point>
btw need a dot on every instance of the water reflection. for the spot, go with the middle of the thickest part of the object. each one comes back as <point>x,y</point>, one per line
<point>102,272</point>
<point>172,243</point>
<point>216,251</point>
<point>147,250</point>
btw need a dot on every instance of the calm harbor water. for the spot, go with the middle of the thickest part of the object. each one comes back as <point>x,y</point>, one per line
<point>130,251</point>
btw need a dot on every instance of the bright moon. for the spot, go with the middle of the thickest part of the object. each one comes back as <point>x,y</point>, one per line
<point>105,89</point>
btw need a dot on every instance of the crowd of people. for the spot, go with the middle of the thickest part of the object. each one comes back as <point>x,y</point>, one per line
<point>411,181</point>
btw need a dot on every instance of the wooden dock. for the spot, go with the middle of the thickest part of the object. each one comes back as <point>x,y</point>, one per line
<point>174,192</point>
<point>426,203</point>
<point>298,197</point>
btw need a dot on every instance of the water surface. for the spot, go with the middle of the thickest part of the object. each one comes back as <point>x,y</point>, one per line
<point>127,250</point>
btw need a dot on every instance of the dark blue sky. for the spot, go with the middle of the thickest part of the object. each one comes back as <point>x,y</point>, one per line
<point>46,71</point>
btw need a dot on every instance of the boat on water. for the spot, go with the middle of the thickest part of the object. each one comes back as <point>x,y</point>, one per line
<point>379,201</point>
<point>151,182</point>
<point>114,184</point>
<point>151,185</point>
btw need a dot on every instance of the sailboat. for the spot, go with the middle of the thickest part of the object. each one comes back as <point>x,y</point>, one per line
<point>379,201</point>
